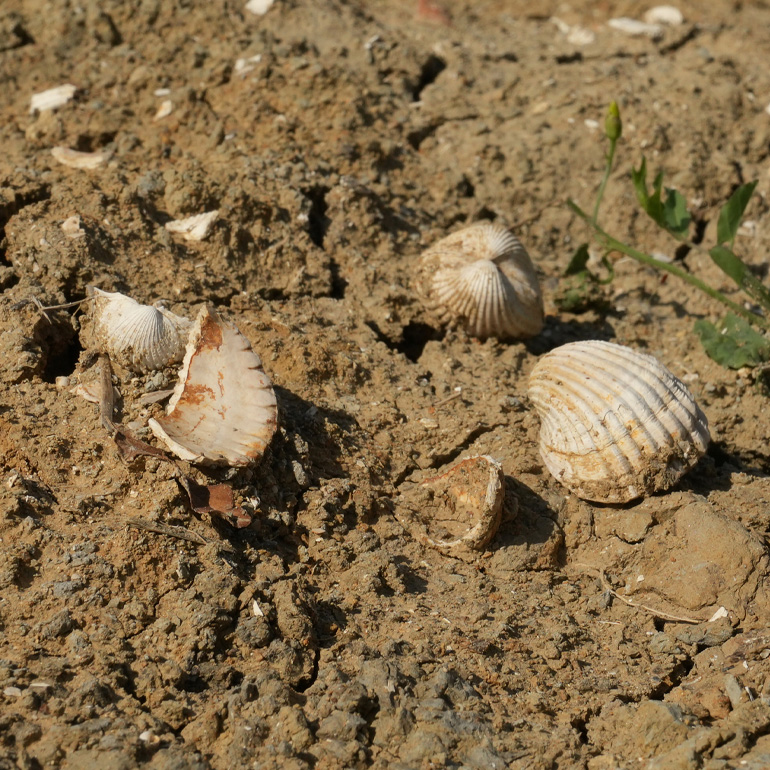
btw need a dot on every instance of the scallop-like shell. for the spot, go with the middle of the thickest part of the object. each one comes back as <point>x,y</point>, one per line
<point>483,277</point>
<point>223,411</point>
<point>458,509</point>
<point>140,337</point>
<point>615,424</point>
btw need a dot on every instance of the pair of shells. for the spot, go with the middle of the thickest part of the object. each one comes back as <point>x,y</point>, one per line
<point>482,278</point>
<point>223,409</point>
<point>615,423</point>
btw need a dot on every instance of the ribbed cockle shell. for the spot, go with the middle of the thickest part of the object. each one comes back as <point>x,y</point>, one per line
<point>482,277</point>
<point>223,411</point>
<point>140,337</point>
<point>615,424</point>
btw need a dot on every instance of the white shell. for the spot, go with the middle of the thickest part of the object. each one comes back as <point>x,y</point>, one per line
<point>635,28</point>
<point>193,228</point>
<point>615,423</point>
<point>76,159</point>
<point>52,98</point>
<point>259,7</point>
<point>165,108</point>
<point>459,509</point>
<point>483,277</point>
<point>140,337</point>
<point>664,14</point>
<point>223,410</point>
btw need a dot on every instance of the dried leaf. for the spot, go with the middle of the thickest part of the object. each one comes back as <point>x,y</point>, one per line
<point>215,499</point>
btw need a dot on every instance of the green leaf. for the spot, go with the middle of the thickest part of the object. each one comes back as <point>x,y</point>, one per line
<point>639,178</point>
<point>671,214</point>
<point>676,215</point>
<point>734,343</point>
<point>731,213</point>
<point>734,267</point>
<point>579,260</point>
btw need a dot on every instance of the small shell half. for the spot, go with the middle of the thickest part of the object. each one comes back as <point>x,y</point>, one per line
<point>140,337</point>
<point>459,509</point>
<point>223,411</point>
<point>483,277</point>
<point>615,424</point>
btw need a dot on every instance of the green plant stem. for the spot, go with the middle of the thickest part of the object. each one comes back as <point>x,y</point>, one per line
<point>611,243</point>
<point>607,172</point>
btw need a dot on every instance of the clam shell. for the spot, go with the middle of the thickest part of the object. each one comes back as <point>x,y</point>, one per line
<point>223,411</point>
<point>458,509</point>
<point>140,337</point>
<point>615,424</point>
<point>483,277</point>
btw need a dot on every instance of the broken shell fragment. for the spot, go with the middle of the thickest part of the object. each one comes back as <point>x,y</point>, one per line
<point>615,424</point>
<point>483,277</point>
<point>193,228</point>
<point>459,509</point>
<point>76,159</point>
<point>139,337</point>
<point>52,98</point>
<point>223,411</point>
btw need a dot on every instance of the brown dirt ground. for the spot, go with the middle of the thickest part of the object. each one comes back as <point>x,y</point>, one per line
<point>360,134</point>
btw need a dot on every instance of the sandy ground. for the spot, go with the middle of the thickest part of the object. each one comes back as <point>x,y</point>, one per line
<point>338,140</point>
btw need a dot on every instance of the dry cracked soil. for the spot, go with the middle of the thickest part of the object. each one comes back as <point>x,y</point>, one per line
<point>338,139</point>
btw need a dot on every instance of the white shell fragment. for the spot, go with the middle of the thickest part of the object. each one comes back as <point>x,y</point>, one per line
<point>575,35</point>
<point>72,228</point>
<point>193,228</point>
<point>636,28</point>
<point>165,108</point>
<point>259,7</point>
<point>664,14</point>
<point>483,278</point>
<point>223,410</point>
<point>459,509</point>
<point>140,337</point>
<point>52,98</point>
<point>615,424</point>
<point>76,159</point>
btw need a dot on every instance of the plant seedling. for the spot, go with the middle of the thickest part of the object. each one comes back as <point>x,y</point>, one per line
<point>740,338</point>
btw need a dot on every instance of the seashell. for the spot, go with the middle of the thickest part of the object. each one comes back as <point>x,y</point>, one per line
<point>259,7</point>
<point>615,424</point>
<point>635,28</point>
<point>459,509</point>
<point>664,14</point>
<point>483,277</point>
<point>223,410</point>
<point>52,98</point>
<point>165,108</point>
<point>139,337</point>
<point>76,159</point>
<point>193,228</point>
<point>72,228</point>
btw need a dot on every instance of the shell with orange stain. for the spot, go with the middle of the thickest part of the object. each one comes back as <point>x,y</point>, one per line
<point>223,410</point>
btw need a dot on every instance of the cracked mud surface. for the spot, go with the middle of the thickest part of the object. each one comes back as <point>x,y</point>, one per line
<point>345,141</point>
